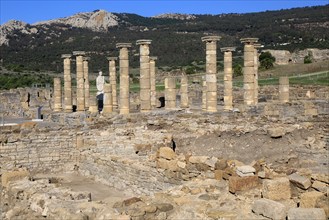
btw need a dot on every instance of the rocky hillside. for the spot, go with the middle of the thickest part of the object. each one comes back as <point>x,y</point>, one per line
<point>175,37</point>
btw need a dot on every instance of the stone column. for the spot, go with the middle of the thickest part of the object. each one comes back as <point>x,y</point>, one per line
<point>211,71</point>
<point>93,107</point>
<point>57,95</point>
<point>170,93</point>
<point>256,65</point>
<point>184,92</point>
<point>107,106</point>
<point>228,75</point>
<point>144,80</point>
<point>124,77</point>
<point>86,81</point>
<point>204,93</point>
<point>113,80</point>
<point>67,83</point>
<point>153,82</point>
<point>284,89</point>
<point>248,70</point>
<point>80,80</point>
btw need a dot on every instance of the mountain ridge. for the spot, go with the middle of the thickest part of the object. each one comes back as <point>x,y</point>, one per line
<point>175,39</point>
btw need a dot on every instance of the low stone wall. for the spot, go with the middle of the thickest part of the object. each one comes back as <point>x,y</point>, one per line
<point>23,102</point>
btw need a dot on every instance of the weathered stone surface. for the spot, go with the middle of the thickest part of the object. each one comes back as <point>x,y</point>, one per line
<point>300,181</point>
<point>245,170</point>
<point>277,189</point>
<point>13,175</point>
<point>164,207</point>
<point>305,213</point>
<point>218,174</point>
<point>166,153</point>
<point>167,164</point>
<point>270,209</point>
<point>309,199</point>
<point>276,132</point>
<point>242,183</point>
<point>198,159</point>
<point>320,186</point>
<point>131,201</point>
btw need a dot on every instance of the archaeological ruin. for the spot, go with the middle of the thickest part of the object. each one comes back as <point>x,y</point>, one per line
<point>201,148</point>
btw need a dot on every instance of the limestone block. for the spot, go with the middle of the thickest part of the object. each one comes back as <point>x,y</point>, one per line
<point>245,170</point>
<point>12,176</point>
<point>277,189</point>
<point>167,164</point>
<point>276,132</point>
<point>309,199</point>
<point>270,209</point>
<point>198,159</point>
<point>320,186</point>
<point>166,153</point>
<point>305,213</point>
<point>300,181</point>
<point>237,183</point>
<point>218,174</point>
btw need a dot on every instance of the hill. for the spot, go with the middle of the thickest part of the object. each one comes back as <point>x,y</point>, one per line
<point>176,38</point>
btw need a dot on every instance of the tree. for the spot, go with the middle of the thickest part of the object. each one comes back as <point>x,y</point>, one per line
<point>308,58</point>
<point>266,60</point>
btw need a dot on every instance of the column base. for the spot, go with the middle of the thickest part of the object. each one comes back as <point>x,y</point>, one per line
<point>124,111</point>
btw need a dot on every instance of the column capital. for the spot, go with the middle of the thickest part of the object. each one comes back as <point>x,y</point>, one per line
<point>210,38</point>
<point>257,45</point>
<point>112,58</point>
<point>227,49</point>
<point>65,56</point>
<point>86,58</point>
<point>123,45</point>
<point>153,58</point>
<point>143,42</point>
<point>249,40</point>
<point>79,53</point>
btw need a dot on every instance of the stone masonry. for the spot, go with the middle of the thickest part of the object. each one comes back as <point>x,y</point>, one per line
<point>124,77</point>
<point>113,80</point>
<point>170,93</point>
<point>211,71</point>
<point>153,82</point>
<point>184,100</point>
<point>248,71</point>
<point>86,81</point>
<point>107,106</point>
<point>284,89</point>
<point>67,83</point>
<point>145,83</point>
<point>228,76</point>
<point>57,95</point>
<point>80,80</point>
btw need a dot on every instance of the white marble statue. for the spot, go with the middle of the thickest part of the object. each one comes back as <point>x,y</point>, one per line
<point>100,83</point>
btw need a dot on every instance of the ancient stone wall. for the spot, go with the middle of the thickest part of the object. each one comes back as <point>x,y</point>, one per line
<point>23,102</point>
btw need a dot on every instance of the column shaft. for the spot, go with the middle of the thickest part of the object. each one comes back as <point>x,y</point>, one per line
<point>248,75</point>
<point>80,84</point>
<point>184,92</point>
<point>113,82</point>
<point>107,106</point>
<point>145,84</point>
<point>284,89</point>
<point>67,84</point>
<point>228,85</point>
<point>153,83</point>
<point>124,77</point>
<point>170,93</point>
<point>86,82</point>
<point>57,95</point>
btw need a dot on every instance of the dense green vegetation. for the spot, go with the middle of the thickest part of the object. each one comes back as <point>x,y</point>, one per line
<point>177,43</point>
<point>8,81</point>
